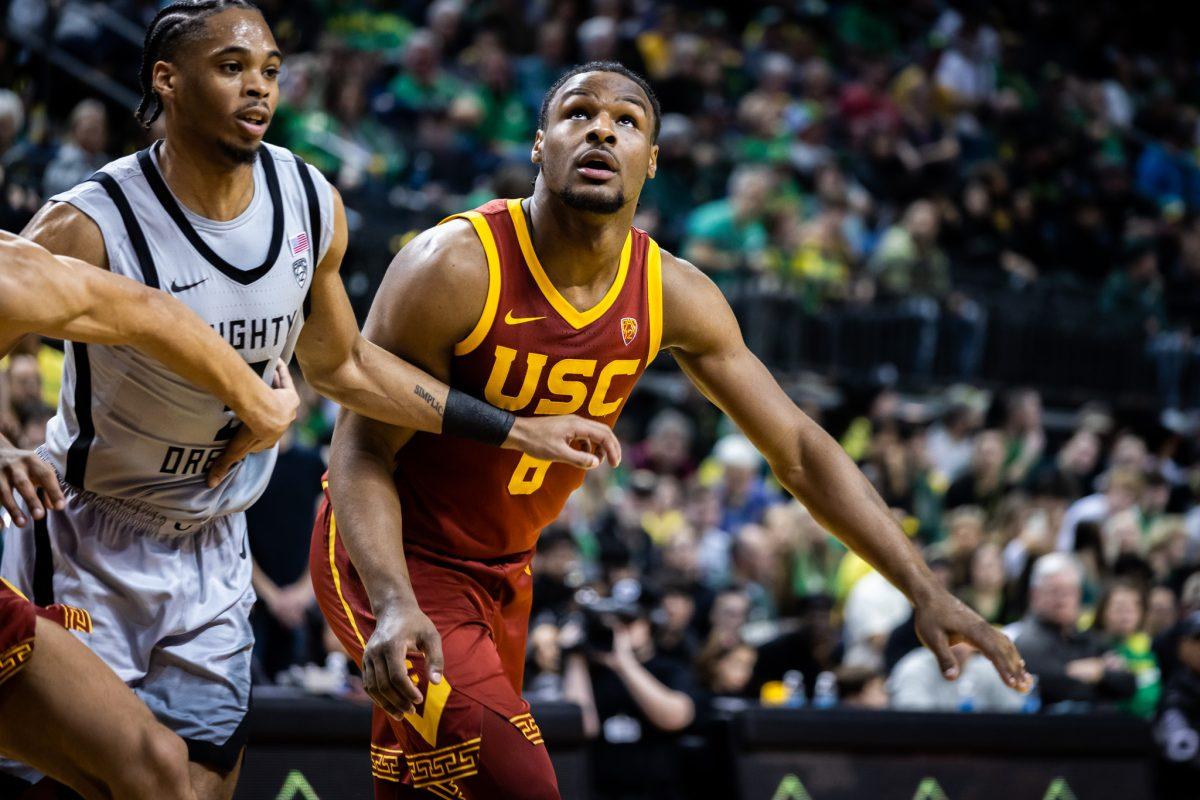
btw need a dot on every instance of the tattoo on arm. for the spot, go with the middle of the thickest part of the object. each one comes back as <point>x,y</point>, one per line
<point>428,398</point>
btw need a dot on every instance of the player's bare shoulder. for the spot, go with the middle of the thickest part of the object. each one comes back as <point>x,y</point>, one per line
<point>438,281</point>
<point>65,230</point>
<point>694,310</point>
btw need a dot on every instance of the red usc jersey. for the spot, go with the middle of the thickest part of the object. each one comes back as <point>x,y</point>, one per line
<point>530,353</point>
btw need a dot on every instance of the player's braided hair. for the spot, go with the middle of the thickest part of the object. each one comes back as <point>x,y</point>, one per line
<point>171,27</point>
<point>602,66</point>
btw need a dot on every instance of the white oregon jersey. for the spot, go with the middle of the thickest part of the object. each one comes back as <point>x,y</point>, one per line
<point>126,426</point>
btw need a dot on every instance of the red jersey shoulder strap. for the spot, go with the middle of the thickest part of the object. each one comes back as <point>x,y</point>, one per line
<point>484,231</point>
<point>654,312</point>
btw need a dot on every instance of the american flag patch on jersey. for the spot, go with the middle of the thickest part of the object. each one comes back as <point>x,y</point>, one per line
<point>299,243</point>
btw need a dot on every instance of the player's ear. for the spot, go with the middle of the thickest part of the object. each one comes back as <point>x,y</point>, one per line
<point>653,168</point>
<point>535,155</point>
<point>162,78</point>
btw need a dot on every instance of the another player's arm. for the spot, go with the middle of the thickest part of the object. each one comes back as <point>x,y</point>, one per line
<point>704,337</point>
<point>346,367</point>
<point>66,298</point>
<point>430,298</point>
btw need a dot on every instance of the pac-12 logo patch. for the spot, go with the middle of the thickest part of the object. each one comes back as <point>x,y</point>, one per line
<point>628,329</point>
<point>299,245</point>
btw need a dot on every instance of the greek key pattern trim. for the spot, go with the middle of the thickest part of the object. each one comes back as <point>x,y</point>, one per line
<point>76,619</point>
<point>444,764</point>
<point>14,658</point>
<point>385,763</point>
<point>528,726</point>
<point>447,791</point>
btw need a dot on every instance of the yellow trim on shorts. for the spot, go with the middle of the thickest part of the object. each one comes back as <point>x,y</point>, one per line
<point>15,589</point>
<point>337,581</point>
<point>480,332</point>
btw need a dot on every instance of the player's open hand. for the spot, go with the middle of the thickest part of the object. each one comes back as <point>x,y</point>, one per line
<point>569,439</point>
<point>945,620</point>
<point>400,629</point>
<point>264,430</point>
<point>23,473</point>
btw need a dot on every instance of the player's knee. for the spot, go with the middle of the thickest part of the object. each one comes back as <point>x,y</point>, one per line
<point>160,769</point>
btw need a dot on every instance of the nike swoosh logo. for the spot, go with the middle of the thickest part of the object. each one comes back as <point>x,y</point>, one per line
<point>511,320</point>
<point>175,287</point>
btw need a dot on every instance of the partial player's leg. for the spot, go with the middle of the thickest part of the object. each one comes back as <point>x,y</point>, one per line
<point>198,680</point>
<point>507,760</point>
<point>67,715</point>
<point>511,764</point>
<point>211,782</point>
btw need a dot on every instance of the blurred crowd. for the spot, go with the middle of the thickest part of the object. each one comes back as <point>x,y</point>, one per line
<point>940,168</point>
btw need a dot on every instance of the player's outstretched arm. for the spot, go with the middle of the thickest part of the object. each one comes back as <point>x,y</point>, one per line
<point>347,367</point>
<point>66,298</point>
<point>704,337</point>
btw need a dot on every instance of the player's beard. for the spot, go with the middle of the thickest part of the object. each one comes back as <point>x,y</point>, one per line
<point>592,203</point>
<point>239,155</point>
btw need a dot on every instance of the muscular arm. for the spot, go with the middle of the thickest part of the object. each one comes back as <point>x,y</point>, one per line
<point>352,370</point>
<point>445,268</point>
<point>703,335</point>
<point>67,298</point>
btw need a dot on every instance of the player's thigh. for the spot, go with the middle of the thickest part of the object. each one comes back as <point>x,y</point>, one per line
<point>212,784</point>
<point>68,715</point>
<point>510,764</point>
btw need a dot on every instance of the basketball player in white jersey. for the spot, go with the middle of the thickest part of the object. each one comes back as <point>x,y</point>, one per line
<point>251,239</point>
<point>62,708</point>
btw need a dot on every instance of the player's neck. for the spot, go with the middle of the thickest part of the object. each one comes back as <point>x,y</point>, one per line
<point>207,183</point>
<point>577,249</point>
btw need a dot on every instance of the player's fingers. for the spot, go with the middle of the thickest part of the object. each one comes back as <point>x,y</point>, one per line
<point>371,686</point>
<point>430,643</point>
<point>47,479</point>
<point>602,436</point>
<point>1003,654</point>
<point>283,377</point>
<point>407,693</point>
<point>939,645</point>
<point>237,449</point>
<point>577,458</point>
<point>29,494</point>
<point>381,689</point>
<point>10,505</point>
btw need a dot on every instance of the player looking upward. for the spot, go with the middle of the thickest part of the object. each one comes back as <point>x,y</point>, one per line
<point>549,305</point>
<point>64,711</point>
<point>152,540</point>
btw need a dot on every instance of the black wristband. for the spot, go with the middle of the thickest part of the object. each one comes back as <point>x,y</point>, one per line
<point>471,418</point>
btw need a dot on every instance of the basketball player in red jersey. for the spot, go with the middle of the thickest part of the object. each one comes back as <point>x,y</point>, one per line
<point>549,305</point>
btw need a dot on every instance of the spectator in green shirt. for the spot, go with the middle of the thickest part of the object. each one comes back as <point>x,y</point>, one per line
<point>727,235</point>
<point>423,85</point>
<point>913,271</point>
<point>1119,617</point>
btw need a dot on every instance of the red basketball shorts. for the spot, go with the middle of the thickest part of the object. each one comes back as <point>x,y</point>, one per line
<point>18,618</point>
<point>472,736</point>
